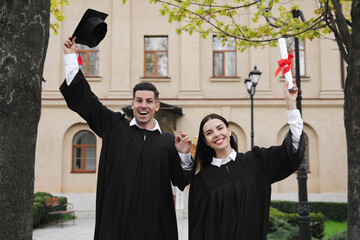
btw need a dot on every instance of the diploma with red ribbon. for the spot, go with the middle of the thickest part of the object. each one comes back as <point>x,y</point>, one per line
<point>285,63</point>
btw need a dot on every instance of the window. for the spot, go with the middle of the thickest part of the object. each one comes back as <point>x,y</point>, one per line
<point>156,57</point>
<point>90,57</point>
<point>290,44</point>
<point>224,57</point>
<point>84,152</point>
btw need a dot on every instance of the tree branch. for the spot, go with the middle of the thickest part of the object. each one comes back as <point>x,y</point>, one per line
<point>329,19</point>
<point>342,25</point>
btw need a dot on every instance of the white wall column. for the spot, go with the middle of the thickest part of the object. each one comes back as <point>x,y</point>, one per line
<point>120,50</point>
<point>190,66</point>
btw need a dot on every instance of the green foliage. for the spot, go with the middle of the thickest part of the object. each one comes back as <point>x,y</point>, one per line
<point>280,229</point>
<point>40,210</point>
<point>331,210</point>
<point>339,236</point>
<point>40,196</point>
<point>334,228</point>
<point>38,213</point>
<point>316,224</point>
<point>210,17</point>
<point>56,9</point>
<point>62,203</point>
<point>284,206</point>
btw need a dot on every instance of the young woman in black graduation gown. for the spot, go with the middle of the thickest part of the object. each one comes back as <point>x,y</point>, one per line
<point>230,195</point>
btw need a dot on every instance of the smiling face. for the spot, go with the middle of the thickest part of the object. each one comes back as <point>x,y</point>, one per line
<point>217,136</point>
<point>144,106</point>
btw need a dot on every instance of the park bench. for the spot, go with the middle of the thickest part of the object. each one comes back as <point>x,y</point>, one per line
<point>52,203</point>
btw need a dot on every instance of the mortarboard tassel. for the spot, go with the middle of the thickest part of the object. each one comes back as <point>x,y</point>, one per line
<point>80,61</point>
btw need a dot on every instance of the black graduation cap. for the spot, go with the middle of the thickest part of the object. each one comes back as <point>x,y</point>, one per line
<point>91,28</point>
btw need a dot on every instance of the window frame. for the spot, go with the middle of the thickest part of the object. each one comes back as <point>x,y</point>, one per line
<point>214,51</point>
<point>292,51</point>
<point>155,52</point>
<point>86,60</point>
<point>83,150</point>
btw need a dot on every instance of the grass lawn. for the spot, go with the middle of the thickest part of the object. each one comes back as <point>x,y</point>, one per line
<point>332,227</point>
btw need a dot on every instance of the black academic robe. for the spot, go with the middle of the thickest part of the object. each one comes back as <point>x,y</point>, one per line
<point>134,198</point>
<point>232,201</point>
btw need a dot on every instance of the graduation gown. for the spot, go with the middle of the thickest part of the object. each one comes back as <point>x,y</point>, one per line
<point>134,195</point>
<point>232,201</point>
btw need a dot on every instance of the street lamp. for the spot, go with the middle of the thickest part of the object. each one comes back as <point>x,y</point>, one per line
<point>303,205</point>
<point>251,83</point>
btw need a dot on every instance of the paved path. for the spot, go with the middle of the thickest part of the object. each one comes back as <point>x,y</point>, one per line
<point>84,230</point>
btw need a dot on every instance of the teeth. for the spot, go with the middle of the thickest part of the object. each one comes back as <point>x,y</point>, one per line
<point>220,140</point>
<point>143,113</point>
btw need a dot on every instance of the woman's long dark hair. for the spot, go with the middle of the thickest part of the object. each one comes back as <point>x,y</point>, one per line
<point>204,153</point>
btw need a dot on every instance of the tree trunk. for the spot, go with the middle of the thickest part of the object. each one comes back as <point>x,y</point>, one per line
<point>352,125</point>
<point>24,36</point>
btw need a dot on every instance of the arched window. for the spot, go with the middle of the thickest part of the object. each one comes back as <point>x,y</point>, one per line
<point>84,152</point>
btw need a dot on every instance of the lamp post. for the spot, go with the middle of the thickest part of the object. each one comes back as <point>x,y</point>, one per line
<point>251,83</point>
<point>303,205</point>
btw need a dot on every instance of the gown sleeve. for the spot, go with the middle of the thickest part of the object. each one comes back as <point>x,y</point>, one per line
<point>179,177</point>
<point>83,101</point>
<point>198,205</point>
<point>278,162</point>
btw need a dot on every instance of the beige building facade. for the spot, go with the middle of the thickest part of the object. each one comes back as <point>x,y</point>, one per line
<point>189,77</point>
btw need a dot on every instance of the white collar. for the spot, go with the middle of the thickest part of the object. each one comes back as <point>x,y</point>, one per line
<point>156,126</point>
<point>221,161</point>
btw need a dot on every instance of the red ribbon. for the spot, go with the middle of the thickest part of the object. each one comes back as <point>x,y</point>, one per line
<point>80,61</point>
<point>282,65</point>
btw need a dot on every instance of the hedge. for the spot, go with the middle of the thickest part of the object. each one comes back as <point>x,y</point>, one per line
<point>38,213</point>
<point>279,225</point>
<point>39,209</point>
<point>331,210</point>
<point>281,229</point>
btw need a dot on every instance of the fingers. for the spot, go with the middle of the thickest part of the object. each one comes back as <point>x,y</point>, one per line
<point>294,88</point>
<point>70,45</point>
<point>182,134</point>
<point>69,42</point>
<point>183,137</point>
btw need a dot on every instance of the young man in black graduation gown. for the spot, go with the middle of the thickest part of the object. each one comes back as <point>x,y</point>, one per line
<point>137,164</point>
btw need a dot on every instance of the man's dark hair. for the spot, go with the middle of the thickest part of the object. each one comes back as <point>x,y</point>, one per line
<point>146,86</point>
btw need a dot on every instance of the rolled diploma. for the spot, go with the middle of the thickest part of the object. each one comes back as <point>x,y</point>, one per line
<point>284,55</point>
